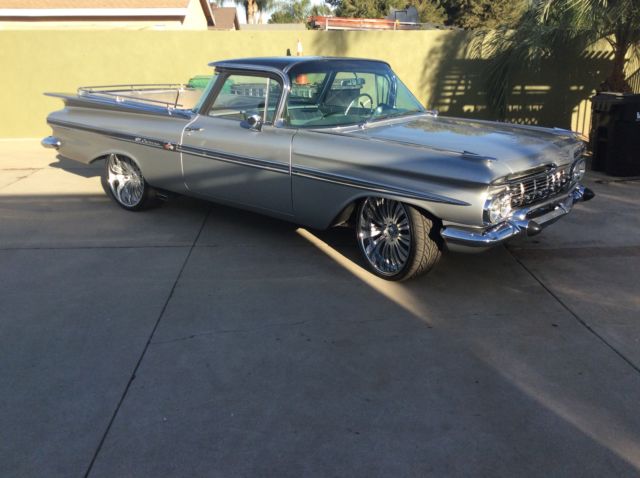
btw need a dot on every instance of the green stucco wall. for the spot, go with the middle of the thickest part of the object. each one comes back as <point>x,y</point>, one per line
<point>434,64</point>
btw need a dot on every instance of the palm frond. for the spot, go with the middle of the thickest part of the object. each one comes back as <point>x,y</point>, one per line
<point>550,26</point>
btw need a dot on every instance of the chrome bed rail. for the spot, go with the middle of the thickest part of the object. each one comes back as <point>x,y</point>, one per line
<point>137,93</point>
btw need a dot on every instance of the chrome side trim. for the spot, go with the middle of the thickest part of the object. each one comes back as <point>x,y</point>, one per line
<point>283,168</point>
<point>144,141</point>
<point>51,142</point>
<point>231,158</point>
<point>168,146</point>
<point>374,187</point>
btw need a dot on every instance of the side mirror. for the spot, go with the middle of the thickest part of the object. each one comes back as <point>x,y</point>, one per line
<point>253,122</point>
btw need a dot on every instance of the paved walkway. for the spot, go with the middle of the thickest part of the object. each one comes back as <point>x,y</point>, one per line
<point>195,340</point>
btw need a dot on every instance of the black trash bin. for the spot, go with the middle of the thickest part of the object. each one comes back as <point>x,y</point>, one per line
<point>615,133</point>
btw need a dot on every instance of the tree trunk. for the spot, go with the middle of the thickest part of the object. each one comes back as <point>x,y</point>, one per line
<point>617,81</point>
<point>251,8</point>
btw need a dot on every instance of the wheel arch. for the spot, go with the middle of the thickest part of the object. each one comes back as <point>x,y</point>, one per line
<point>120,152</point>
<point>349,209</point>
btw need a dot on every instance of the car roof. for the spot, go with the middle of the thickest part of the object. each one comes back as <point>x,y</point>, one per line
<point>284,63</point>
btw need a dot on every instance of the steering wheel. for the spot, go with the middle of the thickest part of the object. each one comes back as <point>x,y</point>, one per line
<point>353,101</point>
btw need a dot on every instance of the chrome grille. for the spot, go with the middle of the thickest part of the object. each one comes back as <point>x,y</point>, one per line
<point>539,186</point>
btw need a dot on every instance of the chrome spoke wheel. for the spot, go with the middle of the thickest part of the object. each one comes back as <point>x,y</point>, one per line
<point>125,180</point>
<point>384,235</point>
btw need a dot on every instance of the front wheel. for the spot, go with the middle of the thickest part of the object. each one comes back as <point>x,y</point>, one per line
<point>397,240</point>
<point>122,180</point>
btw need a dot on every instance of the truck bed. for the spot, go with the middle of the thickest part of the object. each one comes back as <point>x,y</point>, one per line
<point>163,99</point>
<point>168,95</point>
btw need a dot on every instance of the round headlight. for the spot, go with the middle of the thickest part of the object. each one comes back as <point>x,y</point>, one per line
<point>578,169</point>
<point>498,208</point>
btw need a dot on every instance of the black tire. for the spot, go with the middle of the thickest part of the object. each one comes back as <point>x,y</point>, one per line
<point>408,241</point>
<point>123,182</point>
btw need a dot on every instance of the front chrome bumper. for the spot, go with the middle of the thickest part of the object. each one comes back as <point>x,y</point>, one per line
<point>527,221</point>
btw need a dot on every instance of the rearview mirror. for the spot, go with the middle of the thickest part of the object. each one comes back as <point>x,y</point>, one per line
<point>253,122</point>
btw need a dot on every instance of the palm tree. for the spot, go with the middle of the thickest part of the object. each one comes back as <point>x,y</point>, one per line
<point>297,11</point>
<point>550,26</point>
<point>254,8</point>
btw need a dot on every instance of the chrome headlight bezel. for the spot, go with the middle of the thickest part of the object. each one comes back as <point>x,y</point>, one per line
<point>497,207</point>
<point>578,169</point>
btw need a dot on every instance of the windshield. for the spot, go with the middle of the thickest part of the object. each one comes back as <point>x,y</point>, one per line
<point>339,93</point>
<point>203,86</point>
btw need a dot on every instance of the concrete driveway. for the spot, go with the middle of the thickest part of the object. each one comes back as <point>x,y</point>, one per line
<point>196,340</point>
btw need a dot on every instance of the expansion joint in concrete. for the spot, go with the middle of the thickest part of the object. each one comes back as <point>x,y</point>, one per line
<point>146,346</point>
<point>575,315</point>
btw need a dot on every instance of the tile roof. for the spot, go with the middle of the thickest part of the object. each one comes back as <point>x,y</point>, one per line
<point>225,18</point>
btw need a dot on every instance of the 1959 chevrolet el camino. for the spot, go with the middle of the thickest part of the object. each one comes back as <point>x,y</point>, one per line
<point>325,142</point>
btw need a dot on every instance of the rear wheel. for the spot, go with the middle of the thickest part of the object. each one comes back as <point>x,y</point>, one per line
<point>397,240</point>
<point>123,181</point>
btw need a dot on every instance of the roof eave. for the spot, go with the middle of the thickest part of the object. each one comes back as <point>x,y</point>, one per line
<point>92,12</point>
<point>206,8</point>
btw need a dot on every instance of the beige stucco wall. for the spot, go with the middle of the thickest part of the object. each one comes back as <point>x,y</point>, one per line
<point>434,64</point>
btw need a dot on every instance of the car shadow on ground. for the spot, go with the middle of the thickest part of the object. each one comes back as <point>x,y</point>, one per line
<point>338,245</point>
<point>79,169</point>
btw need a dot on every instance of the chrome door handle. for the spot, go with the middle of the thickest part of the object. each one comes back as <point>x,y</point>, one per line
<point>190,129</point>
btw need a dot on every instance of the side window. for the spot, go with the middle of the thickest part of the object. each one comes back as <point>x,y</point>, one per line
<point>383,88</point>
<point>243,96</point>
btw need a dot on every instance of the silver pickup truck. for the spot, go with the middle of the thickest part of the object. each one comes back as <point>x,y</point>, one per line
<point>325,142</point>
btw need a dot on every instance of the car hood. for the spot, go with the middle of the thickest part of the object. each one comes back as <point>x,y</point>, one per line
<point>516,147</point>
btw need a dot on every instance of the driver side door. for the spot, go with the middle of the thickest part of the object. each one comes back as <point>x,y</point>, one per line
<point>226,160</point>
